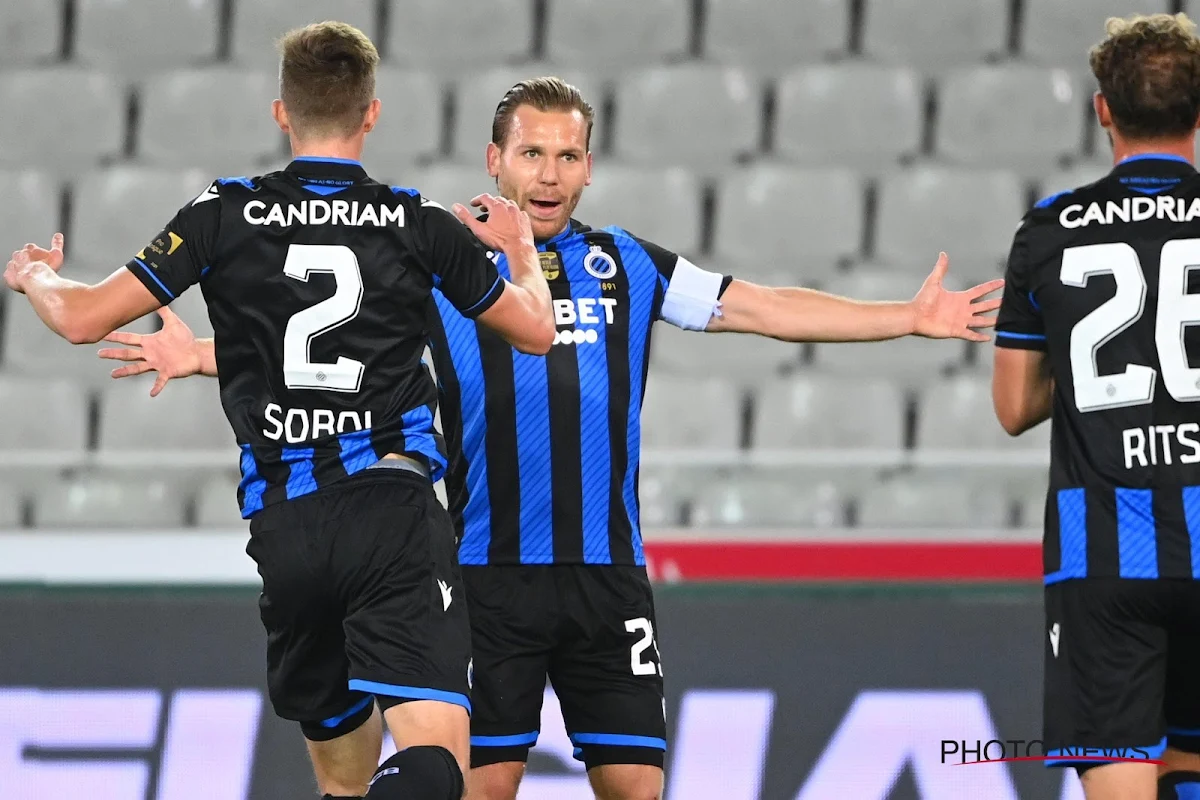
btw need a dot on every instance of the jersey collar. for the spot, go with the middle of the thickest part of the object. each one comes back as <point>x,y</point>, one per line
<point>1155,163</point>
<point>317,167</point>
<point>574,226</point>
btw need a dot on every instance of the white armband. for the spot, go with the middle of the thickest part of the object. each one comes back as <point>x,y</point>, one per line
<point>692,297</point>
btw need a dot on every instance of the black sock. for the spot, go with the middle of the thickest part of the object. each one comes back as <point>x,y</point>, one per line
<point>418,773</point>
<point>1179,786</point>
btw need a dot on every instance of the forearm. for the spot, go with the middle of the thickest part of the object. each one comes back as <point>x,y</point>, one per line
<point>526,271</point>
<point>206,350</point>
<point>61,304</point>
<point>796,314</point>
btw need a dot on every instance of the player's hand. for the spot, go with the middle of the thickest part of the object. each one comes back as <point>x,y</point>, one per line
<point>172,352</point>
<point>942,314</point>
<point>507,225</point>
<point>22,259</point>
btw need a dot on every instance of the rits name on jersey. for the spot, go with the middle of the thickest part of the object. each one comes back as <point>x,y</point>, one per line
<point>303,424</point>
<point>1130,209</point>
<point>324,212</point>
<point>1153,445</point>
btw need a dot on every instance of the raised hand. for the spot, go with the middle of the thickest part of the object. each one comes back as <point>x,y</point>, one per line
<point>507,226</point>
<point>172,352</point>
<point>30,253</point>
<point>943,314</point>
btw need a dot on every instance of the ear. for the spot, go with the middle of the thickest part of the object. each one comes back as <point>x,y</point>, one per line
<point>1103,114</point>
<point>493,159</point>
<point>279,112</point>
<point>588,180</point>
<point>371,118</point>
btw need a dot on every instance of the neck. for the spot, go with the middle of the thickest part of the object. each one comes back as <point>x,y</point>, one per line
<point>1123,148</point>
<point>541,239</point>
<point>350,149</point>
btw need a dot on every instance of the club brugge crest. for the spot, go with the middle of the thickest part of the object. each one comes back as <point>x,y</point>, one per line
<point>599,264</point>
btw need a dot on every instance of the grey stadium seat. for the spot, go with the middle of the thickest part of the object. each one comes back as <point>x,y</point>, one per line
<point>11,509</point>
<point>62,401</point>
<point>1061,32</point>
<point>767,499</point>
<point>769,34</point>
<point>258,24</point>
<point>97,502</point>
<point>661,205</point>
<point>119,211</point>
<point>93,131</point>
<point>916,501</point>
<point>865,114</point>
<point>969,214</point>
<point>691,413</point>
<point>759,217</point>
<point>186,416</point>
<point>31,32</point>
<point>32,213</point>
<point>219,119</point>
<point>30,348</point>
<point>448,184</point>
<point>660,497</point>
<point>436,34</point>
<point>616,35</point>
<point>146,35</point>
<point>913,33</point>
<point>978,125</point>
<point>699,115</point>
<point>216,503</point>
<point>191,308</point>
<point>476,97</point>
<point>409,129</point>
<point>957,414</point>
<point>736,356</point>
<point>1073,178</point>
<point>825,412</point>
<point>1031,506</point>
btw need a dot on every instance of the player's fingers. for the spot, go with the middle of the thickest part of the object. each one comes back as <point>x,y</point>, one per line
<point>982,322</point>
<point>129,370</point>
<point>986,288</point>
<point>124,337</point>
<point>941,267</point>
<point>56,243</point>
<point>159,384</point>
<point>984,306</point>
<point>974,336</point>
<point>484,201</point>
<point>120,354</point>
<point>465,216</point>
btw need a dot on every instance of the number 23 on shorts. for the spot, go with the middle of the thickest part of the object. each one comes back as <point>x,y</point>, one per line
<point>644,643</point>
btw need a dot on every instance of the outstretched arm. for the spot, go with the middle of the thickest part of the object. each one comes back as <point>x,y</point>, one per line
<point>807,315</point>
<point>173,352</point>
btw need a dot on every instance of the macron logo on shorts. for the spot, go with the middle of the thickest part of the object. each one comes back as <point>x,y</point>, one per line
<point>446,598</point>
<point>1054,631</point>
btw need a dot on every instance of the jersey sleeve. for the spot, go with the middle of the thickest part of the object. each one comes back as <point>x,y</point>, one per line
<point>178,256</point>
<point>1019,323</point>
<point>691,295</point>
<point>460,267</point>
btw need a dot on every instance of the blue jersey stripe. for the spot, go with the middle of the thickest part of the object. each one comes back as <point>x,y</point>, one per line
<point>534,475</point>
<point>1136,540</point>
<point>643,282</point>
<point>252,485</point>
<point>300,478</point>
<point>463,346</point>
<point>1191,515</point>
<point>1072,533</point>
<point>357,451</point>
<point>418,438</point>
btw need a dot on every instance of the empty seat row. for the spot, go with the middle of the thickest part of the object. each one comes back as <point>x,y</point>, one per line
<point>701,116</point>
<point>599,33</point>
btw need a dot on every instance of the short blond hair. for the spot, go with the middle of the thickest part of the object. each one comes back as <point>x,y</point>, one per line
<point>1148,68</point>
<point>327,78</point>
<point>544,94</point>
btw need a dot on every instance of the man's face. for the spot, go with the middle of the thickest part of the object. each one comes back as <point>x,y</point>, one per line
<point>543,166</point>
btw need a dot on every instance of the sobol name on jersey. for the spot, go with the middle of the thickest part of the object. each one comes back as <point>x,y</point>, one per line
<point>1101,279</point>
<point>319,327</point>
<point>550,446</point>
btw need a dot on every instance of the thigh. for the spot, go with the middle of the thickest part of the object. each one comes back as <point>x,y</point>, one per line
<point>1106,667</point>
<point>606,668</point>
<point>1183,670</point>
<point>396,572</point>
<point>512,616</point>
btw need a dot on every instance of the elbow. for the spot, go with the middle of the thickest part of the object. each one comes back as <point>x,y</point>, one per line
<point>79,331</point>
<point>539,339</point>
<point>1011,419</point>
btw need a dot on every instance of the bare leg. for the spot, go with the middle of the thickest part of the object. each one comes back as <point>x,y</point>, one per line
<point>495,781</point>
<point>344,765</point>
<point>626,782</point>
<point>1124,781</point>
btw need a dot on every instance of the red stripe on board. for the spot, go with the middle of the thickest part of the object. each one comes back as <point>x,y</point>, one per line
<point>860,561</point>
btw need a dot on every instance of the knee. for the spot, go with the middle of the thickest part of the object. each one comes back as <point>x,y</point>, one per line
<point>498,781</point>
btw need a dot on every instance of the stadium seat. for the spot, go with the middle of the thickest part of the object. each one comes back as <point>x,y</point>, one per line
<point>735,356</point>
<point>186,416</point>
<point>119,211</point>
<point>1060,32</point>
<point>11,507</point>
<point>702,116</point>
<point>410,123</point>
<point>977,122</point>
<point>861,114</point>
<point>915,33</point>
<point>476,97</point>
<point>216,504</point>
<point>219,119</point>
<point>916,501</point>
<point>32,32</point>
<point>258,24</point>
<point>616,35</point>
<point>957,414</point>
<point>1073,178</point>
<point>828,412</point>
<point>659,205</point>
<point>30,348</point>
<point>191,308</point>
<point>762,216</point>
<point>447,184</point>
<point>146,35</point>
<point>1031,506</point>
<point>98,502</point>
<point>434,34</point>
<point>767,34</point>
<point>92,132</point>
<point>61,401</point>
<point>660,497</point>
<point>691,413</point>
<point>767,499</point>
<point>971,215</point>
<point>32,211</point>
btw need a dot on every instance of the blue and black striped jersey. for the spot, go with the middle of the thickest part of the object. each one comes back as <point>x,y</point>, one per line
<point>545,450</point>
<point>1103,279</point>
<point>318,281</point>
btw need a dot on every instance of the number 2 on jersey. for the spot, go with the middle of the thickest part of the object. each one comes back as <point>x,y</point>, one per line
<point>299,372</point>
<point>1177,310</point>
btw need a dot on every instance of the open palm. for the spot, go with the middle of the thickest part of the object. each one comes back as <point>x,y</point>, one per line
<point>944,314</point>
<point>171,352</point>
